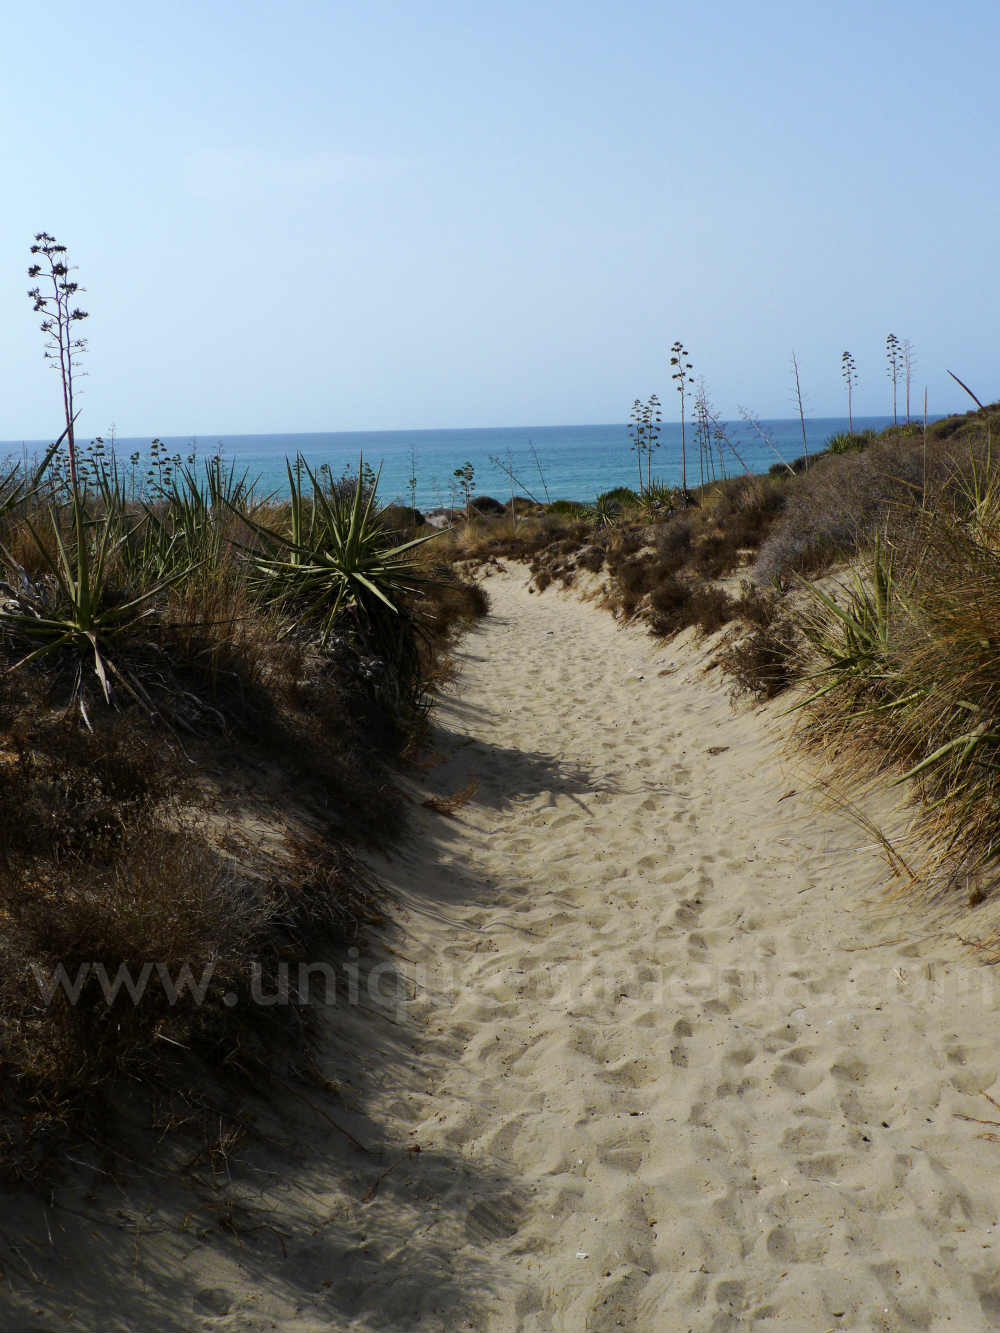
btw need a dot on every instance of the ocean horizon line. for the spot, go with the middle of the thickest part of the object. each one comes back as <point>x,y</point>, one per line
<point>421,465</point>
<point>109,432</point>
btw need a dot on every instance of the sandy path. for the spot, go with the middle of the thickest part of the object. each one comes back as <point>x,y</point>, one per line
<point>671,1062</point>
<point>720,1102</point>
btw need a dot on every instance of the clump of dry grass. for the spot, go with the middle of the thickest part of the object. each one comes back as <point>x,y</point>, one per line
<point>110,873</point>
<point>763,655</point>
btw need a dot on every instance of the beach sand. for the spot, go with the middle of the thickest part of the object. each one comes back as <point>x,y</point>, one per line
<point>659,1044</point>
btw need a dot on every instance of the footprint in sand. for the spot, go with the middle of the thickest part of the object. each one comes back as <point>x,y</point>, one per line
<point>824,1166</point>
<point>673,874</point>
<point>729,1089</point>
<point>628,1074</point>
<point>778,1038</point>
<point>800,1055</point>
<point>722,1004</point>
<point>740,1055</point>
<point>678,1053</point>
<point>623,1157</point>
<point>849,1069</point>
<point>805,1138</point>
<point>647,864</point>
<point>494,1219</point>
<point>729,1294</point>
<point>797,1078</point>
<point>797,1246</point>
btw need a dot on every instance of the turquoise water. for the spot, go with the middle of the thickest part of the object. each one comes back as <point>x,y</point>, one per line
<point>577,462</point>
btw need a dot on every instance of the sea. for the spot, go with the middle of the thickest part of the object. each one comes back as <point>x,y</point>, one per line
<point>547,462</point>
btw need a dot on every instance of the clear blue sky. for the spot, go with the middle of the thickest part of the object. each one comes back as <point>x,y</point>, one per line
<point>326,216</point>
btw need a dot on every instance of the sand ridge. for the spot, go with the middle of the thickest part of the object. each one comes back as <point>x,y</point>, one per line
<point>651,1050</point>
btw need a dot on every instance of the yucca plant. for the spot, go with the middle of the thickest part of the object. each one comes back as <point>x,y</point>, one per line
<point>860,627</point>
<point>657,500</point>
<point>199,511</point>
<point>335,572</point>
<point>644,428</point>
<point>60,316</point>
<point>336,556</point>
<point>303,516</point>
<point>605,512</point>
<point>849,441</point>
<point>682,378</point>
<point>74,609</point>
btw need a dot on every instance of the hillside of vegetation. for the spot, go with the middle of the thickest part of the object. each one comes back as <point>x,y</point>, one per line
<point>202,699</point>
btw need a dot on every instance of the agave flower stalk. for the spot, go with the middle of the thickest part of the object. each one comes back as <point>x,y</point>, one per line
<point>60,316</point>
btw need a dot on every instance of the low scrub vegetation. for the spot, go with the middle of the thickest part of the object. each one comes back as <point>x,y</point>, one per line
<point>654,555</point>
<point>155,652</point>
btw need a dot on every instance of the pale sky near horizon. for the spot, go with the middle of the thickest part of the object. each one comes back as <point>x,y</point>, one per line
<point>321,217</point>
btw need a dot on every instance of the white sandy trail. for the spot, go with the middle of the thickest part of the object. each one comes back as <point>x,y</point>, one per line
<point>673,1063</point>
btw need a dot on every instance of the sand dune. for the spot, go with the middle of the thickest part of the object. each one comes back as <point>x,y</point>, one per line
<point>652,1050</point>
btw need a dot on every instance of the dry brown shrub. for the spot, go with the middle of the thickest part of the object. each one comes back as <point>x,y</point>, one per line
<point>714,555</point>
<point>673,538</point>
<point>843,500</point>
<point>591,558</point>
<point>162,899</point>
<point>764,661</point>
<point>668,606</point>
<point>626,542</point>
<point>710,608</point>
